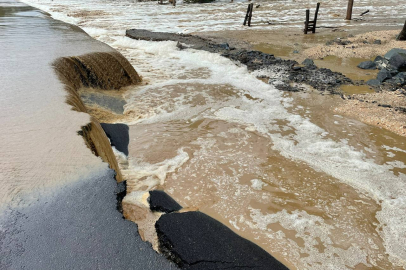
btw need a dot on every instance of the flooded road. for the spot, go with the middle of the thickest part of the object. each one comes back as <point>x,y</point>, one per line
<point>315,189</point>
<point>40,146</point>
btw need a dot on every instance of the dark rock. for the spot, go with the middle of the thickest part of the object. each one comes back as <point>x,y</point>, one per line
<point>383,75</point>
<point>384,105</point>
<point>374,82</point>
<point>308,62</point>
<point>398,60</point>
<point>377,41</point>
<point>330,42</point>
<point>344,42</point>
<point>295,51</point>
<point>367,65</point>
<point>392,52</point>
<point>379,59</point>
<point>225,46</point>
<point>399,78</point>
<point>162,202</point>
<point>121,191</point>
<point>194,240</point>
<point>401,109</point>
<point>180,46</point>
<point>394,81</point>
<point>365,42</point>
<point>401,75</point>
<point>118,135</point>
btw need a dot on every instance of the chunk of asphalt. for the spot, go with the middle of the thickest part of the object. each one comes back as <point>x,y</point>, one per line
<point>118,135</point>
<point>162,202</point>
<point>367,65</point>
<point>194,240</point>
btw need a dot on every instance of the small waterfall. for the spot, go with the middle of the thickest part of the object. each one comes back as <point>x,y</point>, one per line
<point>101,70</point>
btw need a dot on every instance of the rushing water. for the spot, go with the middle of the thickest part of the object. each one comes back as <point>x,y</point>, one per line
<point>315,189</point>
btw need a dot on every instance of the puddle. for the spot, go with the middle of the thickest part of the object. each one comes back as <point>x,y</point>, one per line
<point>347,66</point>
<point>284,52</point>
<point>356,89</point>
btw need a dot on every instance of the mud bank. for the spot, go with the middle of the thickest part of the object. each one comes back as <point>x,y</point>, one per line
<point>281,73</point>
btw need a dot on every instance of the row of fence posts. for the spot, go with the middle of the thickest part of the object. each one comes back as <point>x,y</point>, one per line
<point>310,26</point>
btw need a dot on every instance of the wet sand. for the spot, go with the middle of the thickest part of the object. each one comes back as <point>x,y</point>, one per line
<point>377,109</point>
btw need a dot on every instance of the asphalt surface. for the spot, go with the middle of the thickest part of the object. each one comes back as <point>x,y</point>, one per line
<point>162,202</point>
<point>78,227</point>
<point>196,241</point>
<point>118,136</point>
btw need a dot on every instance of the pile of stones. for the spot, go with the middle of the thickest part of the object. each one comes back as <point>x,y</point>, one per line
<point>392,69</point>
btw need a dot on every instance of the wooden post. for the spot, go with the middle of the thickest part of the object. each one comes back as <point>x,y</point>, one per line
<point>349,9</point>
<point>315,18</point>
<point>307,21</point>
<point>174,2</point>
<point>247,15</point>
<point>402,35</point>
<point>250,16</point>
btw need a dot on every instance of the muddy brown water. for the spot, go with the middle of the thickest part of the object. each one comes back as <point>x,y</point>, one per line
<point>234,175</point>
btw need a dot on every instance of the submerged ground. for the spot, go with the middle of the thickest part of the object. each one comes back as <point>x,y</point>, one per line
<point>316,189</point>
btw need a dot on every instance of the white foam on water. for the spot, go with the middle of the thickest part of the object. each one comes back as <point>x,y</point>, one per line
<point>257,184</point>
<point>151,175</point>
<point>315,232</point>
<point>393,148</point>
